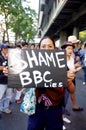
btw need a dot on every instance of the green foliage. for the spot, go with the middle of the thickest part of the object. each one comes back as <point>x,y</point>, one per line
<point>18,18</point>
<point>82,35</point>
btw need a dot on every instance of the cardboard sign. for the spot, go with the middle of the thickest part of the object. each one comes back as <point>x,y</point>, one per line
<point>37,68</point>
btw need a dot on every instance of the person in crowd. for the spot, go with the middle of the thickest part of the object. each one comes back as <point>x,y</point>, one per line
<point>25,45</point>
<point>76,44</point>
<point>37,46</point>
<point>18,46</point>
<point>32,46</point>
<point>5,92</point>
<point>69,46</point>
<point>48,116</point>
<point>83,60</point>
<point>19,43</point>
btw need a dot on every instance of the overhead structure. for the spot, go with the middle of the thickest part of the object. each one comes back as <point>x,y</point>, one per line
<point>56,16</point>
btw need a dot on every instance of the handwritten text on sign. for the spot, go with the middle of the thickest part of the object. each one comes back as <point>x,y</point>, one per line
<point>36,68</point>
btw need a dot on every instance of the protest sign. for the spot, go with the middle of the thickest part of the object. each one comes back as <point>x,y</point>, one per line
<point>37,68</point>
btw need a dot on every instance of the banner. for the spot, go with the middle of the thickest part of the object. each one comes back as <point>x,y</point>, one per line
<point>37,68</point>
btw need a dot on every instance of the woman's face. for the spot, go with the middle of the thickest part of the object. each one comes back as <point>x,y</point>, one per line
<point>47,44</point>
<point>69,50</point>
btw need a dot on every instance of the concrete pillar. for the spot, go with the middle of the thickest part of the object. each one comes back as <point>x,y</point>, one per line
<point>63,37</point>
<point>76,31</point>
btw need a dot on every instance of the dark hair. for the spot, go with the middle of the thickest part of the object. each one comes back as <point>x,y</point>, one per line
<point>33,44</point>
<point>85,45</point>
<point>24,43</point>
<point>48,38</point>
<point>19,46</point>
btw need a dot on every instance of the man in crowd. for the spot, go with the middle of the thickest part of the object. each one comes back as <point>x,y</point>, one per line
<point>4,90</point>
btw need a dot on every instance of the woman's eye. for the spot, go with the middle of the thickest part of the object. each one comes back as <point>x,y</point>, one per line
<point>50,46</point>
<point>43,46</point>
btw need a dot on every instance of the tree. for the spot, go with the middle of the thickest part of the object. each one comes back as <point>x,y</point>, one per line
<point>18,18</point>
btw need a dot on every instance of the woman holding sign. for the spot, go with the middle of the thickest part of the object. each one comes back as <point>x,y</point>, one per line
<point>49,101</point>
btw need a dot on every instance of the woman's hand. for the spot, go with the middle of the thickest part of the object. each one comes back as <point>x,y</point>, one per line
<point>78,64</point>
<point>77,69</point>
<point>5,71</point>
<point>70,74</point>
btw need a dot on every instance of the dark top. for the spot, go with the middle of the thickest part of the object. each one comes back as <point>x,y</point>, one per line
<point>3,62</point>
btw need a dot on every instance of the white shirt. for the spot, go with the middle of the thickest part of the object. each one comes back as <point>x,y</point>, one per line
<point>70,63</point>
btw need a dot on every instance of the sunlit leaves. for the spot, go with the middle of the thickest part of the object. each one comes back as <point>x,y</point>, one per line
<point>18,18</point>
<point>82,35</point>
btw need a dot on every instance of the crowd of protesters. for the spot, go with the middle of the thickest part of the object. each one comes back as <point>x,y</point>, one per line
<point>76,59</point>
<point>7,94</point>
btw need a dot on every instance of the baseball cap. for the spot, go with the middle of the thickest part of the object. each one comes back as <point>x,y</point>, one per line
<point>3,46</point>
<point>73,39</point>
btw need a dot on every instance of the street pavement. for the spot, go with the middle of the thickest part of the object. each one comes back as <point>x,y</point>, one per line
<point>14,121</point>
<point>18,120</point>
<point>78,119</point>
